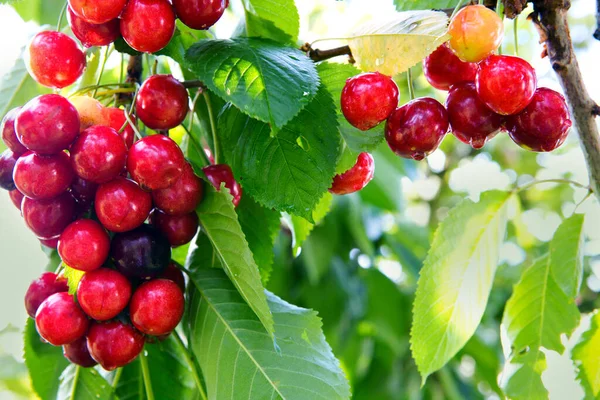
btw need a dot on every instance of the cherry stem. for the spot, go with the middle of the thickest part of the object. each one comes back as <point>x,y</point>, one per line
<point>557,180</point>
<point>516,35</point>
<point>191,364</point>
<point>409,80</point>
<point>61,16</point>
<point>105,58</point>
<point>146,375</point>
<point>459,5</point>
<point>213,126</point>
<point>122,69</point>
<point>587,196</point>
<point>197,146</point>
<point>193,84</point>
<point>117,377</point>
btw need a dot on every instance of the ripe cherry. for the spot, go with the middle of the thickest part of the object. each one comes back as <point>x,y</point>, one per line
<point>116,120</point>
<point>59,320</point>
<point>543,125</point>
<point>84,245</point>
<point>121,205</point>
<point>199,14</point>
<point>43,177</point>
<point>50,243</point>
<point>90,110</point>
<point>368,99</point>
<point>114,344</point>
<point>221,173</point>
<point>47,124</point>
<point>16,197</point>
<point>443,68</point>
<point>42,288</point>
<point>97,12</point>
<point>93,34</point>
<point>47,218</point>
<point>183,196</point>
<point>8,161</point>
<point>174,274</point>
<point>141,253</point>
<point>471,121</point>
<point>77,352</point>
<point>417,128</point>
<point>476,32</point>
<point>9,133</point>
<point>179,229</point>
<point>356,177</point>
<point>103,293</point>
<point>162,102</point>
<point>99,154</point>
<point>155,162</point>
<point>84,192</point>
<point>148,25</point>
<point>157,307</point>
<point>54,59</point>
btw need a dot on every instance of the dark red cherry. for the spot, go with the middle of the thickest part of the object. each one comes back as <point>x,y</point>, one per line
<point>99,154</point>
<point>84,245</point>
<point>43,177</point>
<point>8,161</point>
<point>183,196</point>
<point>471,121</point>
<point>47,124</point>
<point>356,177</point>
<point>141,253</point>
<point>221,173</point>
<point>83,191</point>
<point>121,205</point>
<point>42,288</point>
<point>162,102</point>
<point>505,83</point>
<point>179,229</point>
<point>50,243</point>
<point>16,197</point>
<point>93,34</point>
<point>443,68</point>
<point>77,352</point>
<point>417,128</point>
<point>543,125</point>
<point>155,162</point>
<point>47,218</point>
<point>97,12</point>
<point>157,307</point>
<point>174,274</point>
<point>116,120</point>
<point>9,133</point>
<point>148,25</point>
<point>114,344</point>
<point>103,293</point>
<point>59,320</point>
<point>368,99</point>
<point>199,14</point>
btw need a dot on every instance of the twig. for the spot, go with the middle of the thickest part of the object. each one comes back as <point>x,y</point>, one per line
<point>194,84</point>
<point>597,32</point>
<point>318,55</point>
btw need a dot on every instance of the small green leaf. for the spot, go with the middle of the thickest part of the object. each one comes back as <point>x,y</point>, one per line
<point>78,383</point>
<point>523,379</point>
<point>277,20</point>
<point>301,228</point>
<point>73,277</point>
<point>566,255</point>
<point>585,356</point>
<point>406,5</point>
<point>183,38</point>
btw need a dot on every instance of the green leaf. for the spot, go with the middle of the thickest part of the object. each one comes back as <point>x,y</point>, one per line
<point>237,355</point>
<point>301,228</point>
<point>73,277</point>
<point>585,356</point>
<point>385,190</point>
<point>566,255</point>
<point>220,223</point>
<point>406,5</point>
<point>524,380</point>
<point>456,279</point>
<point>183,38</point>
<point>40,11</point>
<point>77,383</point>
<point>278,20</point>
<point>265,80</point>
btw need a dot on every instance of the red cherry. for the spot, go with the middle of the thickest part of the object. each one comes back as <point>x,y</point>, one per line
<point>77,352</point>
<point>221,173</point>
<point>505,83</point>
<point>93,34</point>
<point>43,177</point>
<point>148,25</point>
<point>116,120</point>
<point>54,59</point>
<point>416,129</point>
<point>157,307</point>
<point>356,177</point>
<point>174,274</point>
<point>183,196</point>
<point>47,218</point>
<point>50,243</point>
<point>155,162</point>
<point>162,102</point>
<point>368,99</point>
<point>8,161</point>
<point>99,154</point>
<point>103,293</point>
<point>16,197</point>
<point>121,205</point>
<point>42,288</point>
<point>543,125</point>
<point>84,245</point>
<point>47,124</point>
<point>83,191</point>
<point>471,121</point>
<point>443,68</point>
<point>59,320</point>
<point>97,12</point>
<point>9,134</point>
<point>199,14</point>
<point>114,344</point>
<point>179,230</point>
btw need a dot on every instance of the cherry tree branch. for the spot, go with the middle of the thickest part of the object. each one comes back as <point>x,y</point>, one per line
<point>597,32</point>
<point>321,55</point>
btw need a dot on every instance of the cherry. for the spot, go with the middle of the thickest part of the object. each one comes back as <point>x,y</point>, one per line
<point>174,274</point>
<point>42,288</point>
<point>199,14</point>
<point>155,162</point>
<point>43,177</point>
<point>16,197</point>
<point>50,243</point>
<point>141,253</point>
<point>183,196</point>
<point>59,320</point>
<point>54,59</point>
<point>8,161</point>
<point>47,124</point>
<point>103,293</point>
<point>77,352</point>
<point>9,134</point>
<point>116,120</point>
<point>47,218</point>
<point>443,68</point>
<point>476,32</point>
<point>356,177</point>
<point>368,99</point>
<point>114,344</point>
<point>157,307</point>
<point>221,173</point>
<point>84,245</point>
<point>97,12</point>
<point>543,125</point>
<point>93,34</point>
<point>99,154</point>
<point>90,110</point>
<point>121,205</point>
<point>84,192</point>
<point>179,229</point>
<point>148,25</point>
<point>162,102</point>
<point>471,121</point>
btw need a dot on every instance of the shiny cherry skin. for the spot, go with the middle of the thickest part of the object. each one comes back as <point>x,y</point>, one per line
<point>97,12</point>
<point>155,162</point>
<point>77,352</point>
<point>114,344</point>
<point>84,245</point>
<point>443,68</point>
<point>121,205</point>
<point>543,125</point>
<point>417,128</point>
<point>59,320</point>
<point>42,288</point>
<point>93,34</point>
<point>16,197</point>
<point>141,253</point>
<point>90,110</point>
<point>199,14</point>
<point>99,154</point>
<point>47,218</point>
<point>47,124</point>
<point>8,161</point>
<point>174,274</point>
<point>9,133</point>
<point>183,196</point>
<point>368,99</point>
<point>103,293</point>
<point>157,307</point>
<point>50,243</point>
<point>148,25</point>
<point>221,173</point>
<point>116,120</point>
<point>356,177</point>
<point>179,229</point>
<point>505,83</point>
<point>162,102</point>
<point>43,177</point>
<point>471,121</point>
<point>54,59</point>
<point>476,32</point>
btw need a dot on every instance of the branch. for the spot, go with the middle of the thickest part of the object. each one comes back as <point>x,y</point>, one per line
<point>597,32</point>
<point>321,55</point>
<point>134,75</point>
